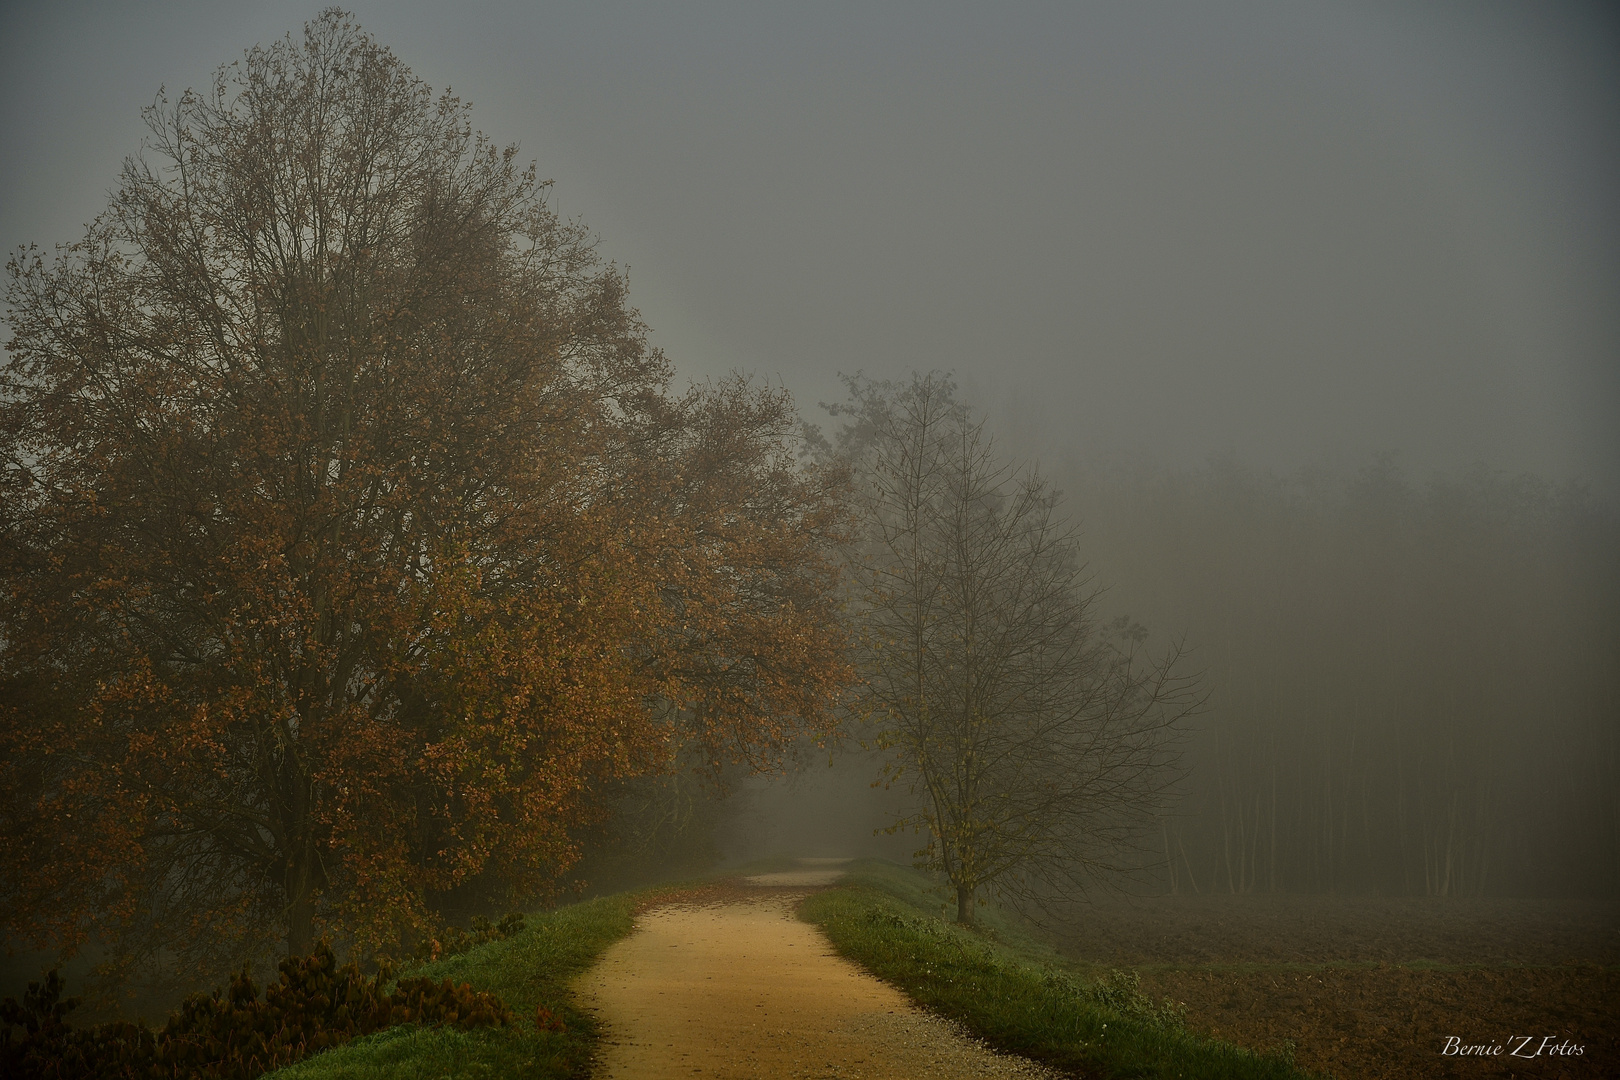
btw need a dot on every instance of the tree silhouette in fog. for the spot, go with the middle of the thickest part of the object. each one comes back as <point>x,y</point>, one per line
<point>1039,743</point>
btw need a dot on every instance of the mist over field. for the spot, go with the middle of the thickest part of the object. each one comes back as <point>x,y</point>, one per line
<point>1412,683</point>
<point>1218,407</point>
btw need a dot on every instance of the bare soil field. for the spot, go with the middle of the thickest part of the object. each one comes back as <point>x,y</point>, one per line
<point>1375,987</point>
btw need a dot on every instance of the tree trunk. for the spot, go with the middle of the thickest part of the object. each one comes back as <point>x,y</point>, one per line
<point>964,905</point>
<point>302,873</point>
<point>301,915</point>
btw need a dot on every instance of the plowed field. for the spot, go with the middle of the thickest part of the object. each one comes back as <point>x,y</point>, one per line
<point>1379,987</point>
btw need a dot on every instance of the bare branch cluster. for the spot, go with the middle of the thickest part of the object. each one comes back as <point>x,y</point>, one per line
<point>1038,741</point>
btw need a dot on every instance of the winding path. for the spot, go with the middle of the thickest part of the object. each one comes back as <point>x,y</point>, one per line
<point>741,988</point>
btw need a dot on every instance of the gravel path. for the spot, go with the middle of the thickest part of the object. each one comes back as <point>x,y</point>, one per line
<point>742,988</point>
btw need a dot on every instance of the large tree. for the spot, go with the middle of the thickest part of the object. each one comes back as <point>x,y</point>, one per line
<point>1037,741</point>
<point>352,536</point>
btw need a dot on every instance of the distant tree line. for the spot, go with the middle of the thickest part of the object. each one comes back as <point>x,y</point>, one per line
<point>1414,685</point>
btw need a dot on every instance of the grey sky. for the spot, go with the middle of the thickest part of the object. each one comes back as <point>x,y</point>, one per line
<point>1303,233</point>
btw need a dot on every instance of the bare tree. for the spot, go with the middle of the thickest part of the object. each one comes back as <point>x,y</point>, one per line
<point>1038,741</point>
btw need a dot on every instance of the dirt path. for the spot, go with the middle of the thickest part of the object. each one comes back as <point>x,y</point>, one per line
<point>742,988</point>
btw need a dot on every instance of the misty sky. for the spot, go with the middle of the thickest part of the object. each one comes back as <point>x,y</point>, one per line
<point>1300,233</point>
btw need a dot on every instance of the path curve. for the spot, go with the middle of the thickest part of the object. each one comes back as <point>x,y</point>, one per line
<point>739,987</point>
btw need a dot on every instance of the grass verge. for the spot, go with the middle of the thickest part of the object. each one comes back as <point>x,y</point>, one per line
<point>1015,993</point>
<point>530,971</point>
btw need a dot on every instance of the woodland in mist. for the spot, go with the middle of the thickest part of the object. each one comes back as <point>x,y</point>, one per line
<point>1410,684</point>
<point>364,571</point>
<point>1414,684</point>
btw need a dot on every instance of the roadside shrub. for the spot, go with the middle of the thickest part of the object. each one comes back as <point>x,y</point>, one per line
<point>480,930</point>
<point>234,1035</point>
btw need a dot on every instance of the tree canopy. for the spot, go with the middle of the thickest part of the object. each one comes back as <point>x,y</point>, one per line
<point>352,531</point>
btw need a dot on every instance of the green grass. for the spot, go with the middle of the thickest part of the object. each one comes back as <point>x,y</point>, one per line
<point>531,969</point>
<point>1014,992</point>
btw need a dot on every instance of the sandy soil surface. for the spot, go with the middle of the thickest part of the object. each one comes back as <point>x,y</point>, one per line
<point>1374,987</point>
<point>738,987</point>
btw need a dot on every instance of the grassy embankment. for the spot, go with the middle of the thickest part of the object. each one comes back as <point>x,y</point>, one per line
<point>1015,993</point>
<point>530,971</point>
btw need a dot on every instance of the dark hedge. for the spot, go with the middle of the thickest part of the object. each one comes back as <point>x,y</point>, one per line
<point>236,1035</point>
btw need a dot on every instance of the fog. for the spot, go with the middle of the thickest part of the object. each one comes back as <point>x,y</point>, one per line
<point>1309,309</point>
<point>1412,685</point>
<point>1294,232</point>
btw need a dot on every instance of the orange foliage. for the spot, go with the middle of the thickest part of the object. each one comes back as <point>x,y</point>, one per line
<point>352,534</point>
